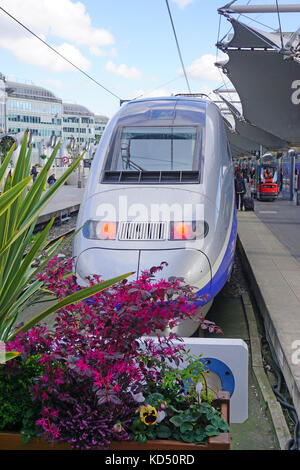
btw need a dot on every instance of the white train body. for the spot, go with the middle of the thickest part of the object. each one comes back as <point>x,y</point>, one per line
<point>161,189</point>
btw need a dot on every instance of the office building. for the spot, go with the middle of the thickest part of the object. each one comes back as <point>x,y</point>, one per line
<point>27,106</point>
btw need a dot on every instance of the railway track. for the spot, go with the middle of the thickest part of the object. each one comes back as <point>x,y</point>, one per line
<point>64,234</point>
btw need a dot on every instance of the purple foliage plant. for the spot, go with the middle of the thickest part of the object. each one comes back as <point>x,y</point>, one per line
<point>95,360</point>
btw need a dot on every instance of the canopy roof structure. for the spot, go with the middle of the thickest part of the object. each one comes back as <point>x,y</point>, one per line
<point>264,69</point>
<point>252,133</point>
<point>287,8</point>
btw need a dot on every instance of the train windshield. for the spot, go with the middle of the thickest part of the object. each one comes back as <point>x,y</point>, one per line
<point>268,172</point>
<point>156,149</point>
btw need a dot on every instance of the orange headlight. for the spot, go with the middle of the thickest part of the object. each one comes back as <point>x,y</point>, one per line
<point>183,231</point>
<point>106,230</point>
<point>98,230</point>
<point>188,230</point>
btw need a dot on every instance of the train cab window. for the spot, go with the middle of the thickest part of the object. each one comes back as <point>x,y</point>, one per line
<point>163,152</point>
<point>268,172</point>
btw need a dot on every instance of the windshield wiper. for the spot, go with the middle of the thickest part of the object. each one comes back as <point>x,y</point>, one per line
<point>126,158</point>
<point>129,164</point>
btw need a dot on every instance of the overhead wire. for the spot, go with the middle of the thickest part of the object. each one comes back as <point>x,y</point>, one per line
<point>178,48</point>
<point>258,22</point>
<point>219,30</point>
<point>249,1</point>
<point>58,53</point>
<point>157,88</point>
<point>279,23</point>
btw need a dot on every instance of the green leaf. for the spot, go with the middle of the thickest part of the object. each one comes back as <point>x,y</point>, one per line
<point>8,197</point>
<point>156,397</point>
<point>211,430</point>
<point>163,432</point>
<point>151,434</point>
<point>176,435</point>
<point>194,416</point>
<point>176,420</point>
<point>172,408</point>
<point>200,435</point>
<point>184,427</point>
<point>69,300</point>
<point>224,427</point>
<point>5,163</point>
<point>187,436</point>
<point>141,438</point>
<point>138,425</point>
<point>15,281</point>
<point>19,210</point>
<point>11,355</point>
<point>6,326</point>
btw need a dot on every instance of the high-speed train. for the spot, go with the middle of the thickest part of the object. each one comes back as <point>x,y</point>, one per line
<point>161,189</point>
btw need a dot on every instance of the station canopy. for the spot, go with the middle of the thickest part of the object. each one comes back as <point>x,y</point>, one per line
<point>248,134</point>
<point>264,69</point>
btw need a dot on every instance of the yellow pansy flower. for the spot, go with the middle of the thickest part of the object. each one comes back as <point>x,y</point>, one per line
<point>148,414</point>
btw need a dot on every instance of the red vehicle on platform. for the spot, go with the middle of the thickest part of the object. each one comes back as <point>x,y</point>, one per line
<point>267,179</point>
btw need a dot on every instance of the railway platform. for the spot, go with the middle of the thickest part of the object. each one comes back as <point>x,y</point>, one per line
<point>65,202</point>
<point>269,244</point>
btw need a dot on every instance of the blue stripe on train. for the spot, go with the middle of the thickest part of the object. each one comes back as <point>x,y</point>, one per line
<point>217,283</point>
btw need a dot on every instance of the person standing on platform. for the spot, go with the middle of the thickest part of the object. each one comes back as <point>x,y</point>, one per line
<point>245,173</point>
<point>34,171</point>
<point>240,190</point>
<point>51,179</point>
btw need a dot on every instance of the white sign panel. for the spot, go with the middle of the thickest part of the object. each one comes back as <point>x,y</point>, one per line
<point>227,358</point>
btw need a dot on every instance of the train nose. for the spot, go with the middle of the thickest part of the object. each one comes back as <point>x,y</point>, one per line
<point>190,264</point>
<point>106,263</point>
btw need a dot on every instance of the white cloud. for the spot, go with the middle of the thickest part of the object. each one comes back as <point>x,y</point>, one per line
<point>74,55</point>
<point>113,52</point>
<point>204,69</point>
<point>29,50</point>
<point>97,51</point>
<point>183,3</point>
<point>209,92</point>
<point>63,19</point>
<point>123,70</point>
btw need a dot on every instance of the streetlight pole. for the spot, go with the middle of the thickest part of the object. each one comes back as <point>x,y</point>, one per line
<point>7,91</point>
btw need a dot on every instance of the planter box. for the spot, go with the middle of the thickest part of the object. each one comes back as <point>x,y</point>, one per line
<point>13,441</point>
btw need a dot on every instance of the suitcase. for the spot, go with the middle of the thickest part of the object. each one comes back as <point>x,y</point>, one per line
<point>248,204</point>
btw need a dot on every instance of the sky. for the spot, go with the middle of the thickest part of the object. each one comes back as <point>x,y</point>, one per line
<point>128,46</point>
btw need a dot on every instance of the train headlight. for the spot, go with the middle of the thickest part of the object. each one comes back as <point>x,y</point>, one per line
<point>100,230</point>
<point>188,230</point>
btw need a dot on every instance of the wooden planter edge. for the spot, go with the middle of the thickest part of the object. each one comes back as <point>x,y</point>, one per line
<point>13,441</point>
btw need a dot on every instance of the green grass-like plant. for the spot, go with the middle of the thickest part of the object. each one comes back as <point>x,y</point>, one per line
<point>21,202</point>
